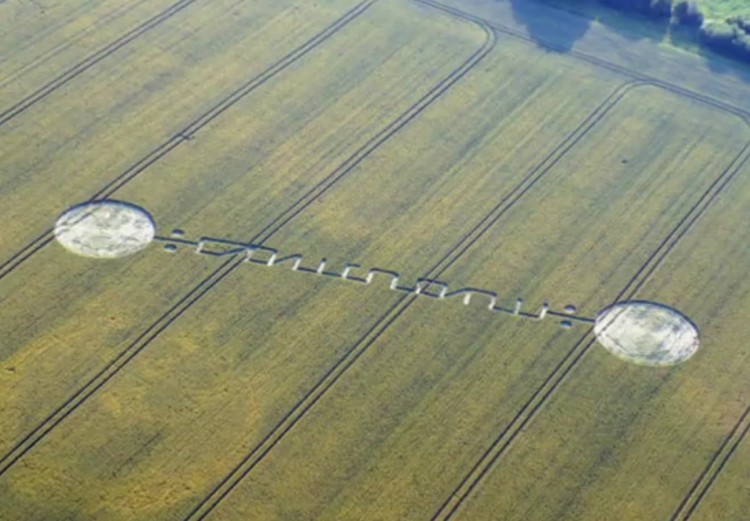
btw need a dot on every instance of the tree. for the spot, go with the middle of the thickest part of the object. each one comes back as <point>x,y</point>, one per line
<point>686,12</point>
<point>730,37</point>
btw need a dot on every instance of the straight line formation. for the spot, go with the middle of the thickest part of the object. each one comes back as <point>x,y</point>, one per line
<point>432,288</point>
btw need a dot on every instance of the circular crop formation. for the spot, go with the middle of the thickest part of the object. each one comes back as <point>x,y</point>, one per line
<point>646,333</point>
<point>105,229</point>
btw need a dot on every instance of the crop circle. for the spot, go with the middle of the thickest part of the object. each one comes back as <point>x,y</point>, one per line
<point>105,229</point>
<point>646,333</point>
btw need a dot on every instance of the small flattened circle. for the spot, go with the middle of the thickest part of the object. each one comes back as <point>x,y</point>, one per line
<point>105,229</point>
<point>646,333</point>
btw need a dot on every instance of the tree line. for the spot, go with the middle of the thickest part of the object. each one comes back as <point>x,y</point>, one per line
<point>730,37</point>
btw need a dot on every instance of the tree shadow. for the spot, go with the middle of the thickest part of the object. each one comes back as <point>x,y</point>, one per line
<point>530,14</point>
<point>558,24</point>
<point>734,67</point>
<point>573,18</point>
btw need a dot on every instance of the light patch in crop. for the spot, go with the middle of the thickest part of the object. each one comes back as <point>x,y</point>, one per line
<point>646,333</point>
<point>105,229</point>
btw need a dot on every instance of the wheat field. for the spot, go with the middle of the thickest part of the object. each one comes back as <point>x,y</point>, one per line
<point>420,162</point>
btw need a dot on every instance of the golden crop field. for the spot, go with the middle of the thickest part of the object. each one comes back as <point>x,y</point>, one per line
<point>340,191</point>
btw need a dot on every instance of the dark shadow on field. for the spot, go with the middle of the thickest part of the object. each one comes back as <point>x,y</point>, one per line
<point>727,66</point>
<point>540,25</point>
<point>558,24</point>
<point>723,65</point>
<point>573,18</point>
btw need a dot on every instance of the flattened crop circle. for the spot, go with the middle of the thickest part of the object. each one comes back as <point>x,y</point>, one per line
<point>105,229</point>
<point>646,333</point>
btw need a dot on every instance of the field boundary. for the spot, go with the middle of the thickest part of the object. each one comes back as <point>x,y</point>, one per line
<point>598,62</point>
<point>205,285</point>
